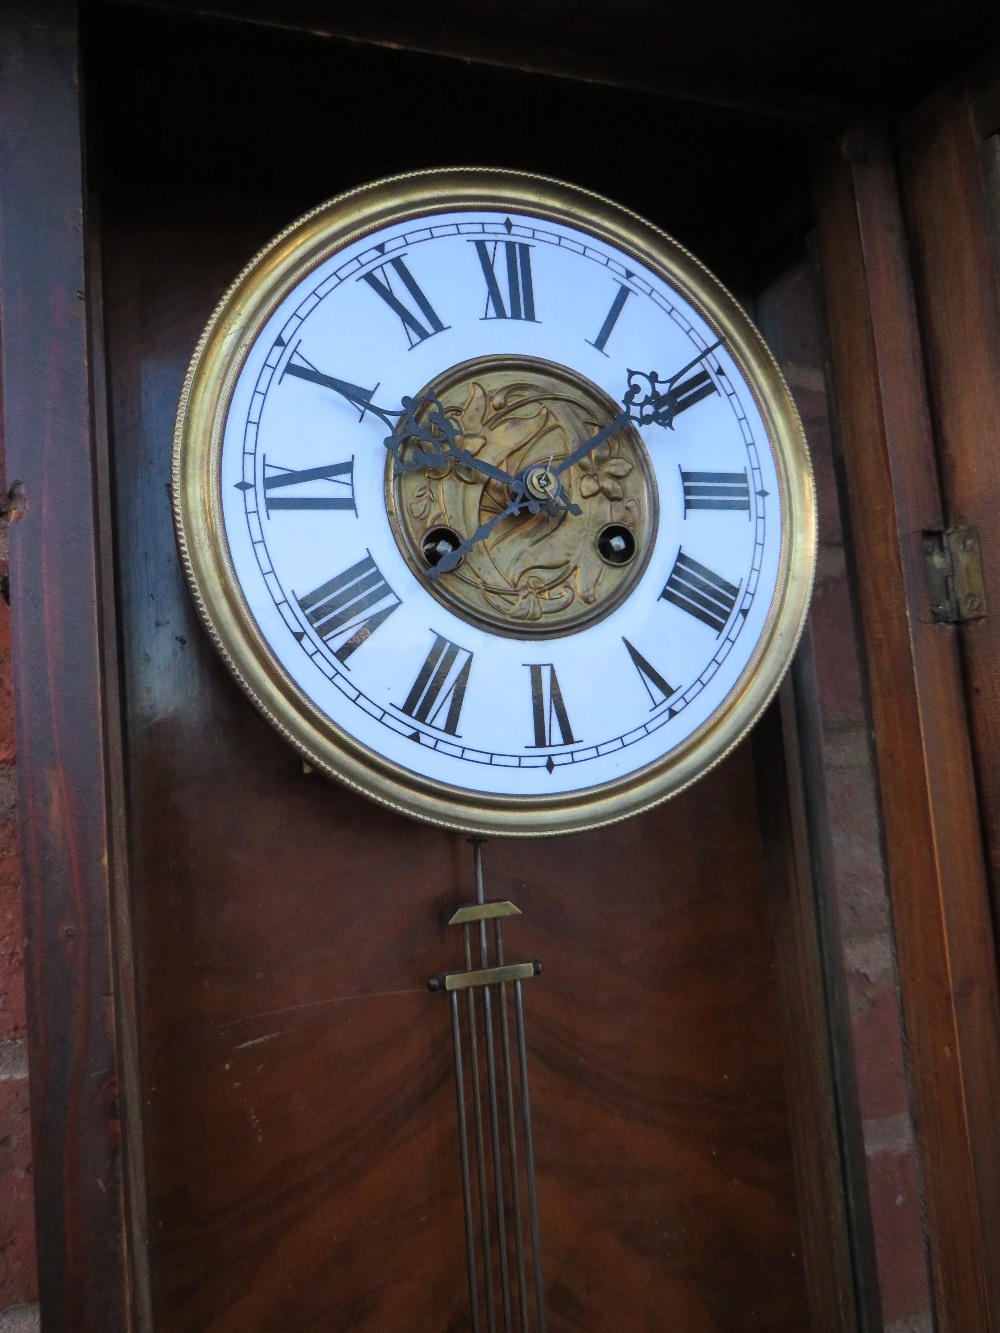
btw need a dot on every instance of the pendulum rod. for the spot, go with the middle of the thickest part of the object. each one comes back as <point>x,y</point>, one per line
<point>495,1190</point>
<point>491,1074</point>
<point>508,1084</point>
<point>477,1104</point>
<point>463,1144</point>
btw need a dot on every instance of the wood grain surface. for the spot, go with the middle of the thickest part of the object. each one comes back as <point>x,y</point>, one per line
<point>930,813</point>
<point>957,269</point>
<point>816,63</point>
<point>291,1071</point>
<point>804,936</point>
<point>63,769</point>
<point>299,1108</point>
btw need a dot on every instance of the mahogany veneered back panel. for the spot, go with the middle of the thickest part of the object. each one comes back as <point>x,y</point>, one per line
<point>298,1100</point>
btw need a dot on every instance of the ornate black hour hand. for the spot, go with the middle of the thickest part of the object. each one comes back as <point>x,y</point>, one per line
<point>647,403</point>
<point>354,393</point>
<point>425,420</point>
<point>404,424</point>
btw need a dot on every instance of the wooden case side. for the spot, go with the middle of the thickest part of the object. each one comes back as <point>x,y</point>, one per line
<point>934,853</point>
<point>65,774</point>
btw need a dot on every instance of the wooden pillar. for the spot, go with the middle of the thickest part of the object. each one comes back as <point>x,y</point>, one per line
<point>930,812</point>
<point>59,683</point>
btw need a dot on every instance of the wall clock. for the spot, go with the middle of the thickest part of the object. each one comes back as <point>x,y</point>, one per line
<point>494,501</point>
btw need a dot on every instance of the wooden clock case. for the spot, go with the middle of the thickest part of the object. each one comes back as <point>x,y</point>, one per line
<point>243,1108</point>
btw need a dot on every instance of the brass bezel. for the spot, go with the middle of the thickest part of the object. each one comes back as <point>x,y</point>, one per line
<point>208,388</point>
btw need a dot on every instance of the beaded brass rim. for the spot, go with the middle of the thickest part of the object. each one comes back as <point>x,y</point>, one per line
<point>208,389</point>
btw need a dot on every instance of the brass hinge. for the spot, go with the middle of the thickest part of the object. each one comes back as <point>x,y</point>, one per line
<point>954,575</point>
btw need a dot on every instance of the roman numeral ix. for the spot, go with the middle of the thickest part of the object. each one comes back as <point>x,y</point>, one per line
<point>715,490</point>
<point>439,689</point>
<point>419,318</point>
<point>700,592</point>
<point>348,609</point>
<point>279,480</point>
<point>516,278</point>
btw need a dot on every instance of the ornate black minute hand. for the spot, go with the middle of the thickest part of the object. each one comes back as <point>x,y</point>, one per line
<point>646,404</point>
<point>588,446</point>
<point>649,404</point>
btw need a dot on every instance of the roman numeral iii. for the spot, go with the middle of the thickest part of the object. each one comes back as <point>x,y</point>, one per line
<point>509,294</point>
<point>347,609</point>
<point>701,593</point>
<point>417,315</point>
<point>439,689</point>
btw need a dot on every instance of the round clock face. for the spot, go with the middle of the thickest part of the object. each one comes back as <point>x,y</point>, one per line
<point>494,502</point>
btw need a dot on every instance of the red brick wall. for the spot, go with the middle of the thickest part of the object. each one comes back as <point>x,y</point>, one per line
<point>18,1278</point>
<point>867,957</point>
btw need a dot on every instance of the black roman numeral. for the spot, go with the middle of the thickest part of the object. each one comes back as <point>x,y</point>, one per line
<point>607,328</point>
<point>439,688</point>
<point>302,369</point>
<point>520,296</point>
<point>339,476</point>
<point>715,490</point>
<point>548,711</point>
<point>380,281</point>
<point>349,608</point>
<point>701,593</point>
<point>656,687</point>
<point>683,394</point>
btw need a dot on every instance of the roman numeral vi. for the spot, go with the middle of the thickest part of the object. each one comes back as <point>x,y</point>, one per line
<point>548,711</point>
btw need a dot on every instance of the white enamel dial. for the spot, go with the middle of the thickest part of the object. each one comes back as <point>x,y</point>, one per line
<point>591,652</point>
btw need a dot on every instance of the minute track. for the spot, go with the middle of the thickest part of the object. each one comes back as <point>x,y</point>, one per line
<point>360,397</point>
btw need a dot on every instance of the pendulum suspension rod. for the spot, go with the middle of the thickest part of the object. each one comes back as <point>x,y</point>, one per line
<point>499,1192</point>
